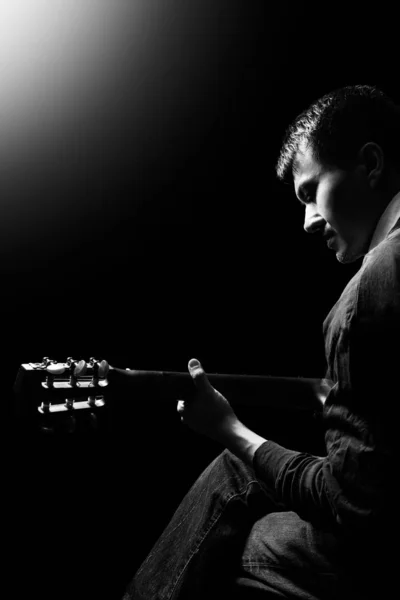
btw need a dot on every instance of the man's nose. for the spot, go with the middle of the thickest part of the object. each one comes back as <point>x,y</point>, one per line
<point>313,221</point>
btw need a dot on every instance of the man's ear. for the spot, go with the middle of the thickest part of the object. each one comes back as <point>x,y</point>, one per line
<point>372,159</point>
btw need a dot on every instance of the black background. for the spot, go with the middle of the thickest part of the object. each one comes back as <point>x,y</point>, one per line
<point>149,227</point>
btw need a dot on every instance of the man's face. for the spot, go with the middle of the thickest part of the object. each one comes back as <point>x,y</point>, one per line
<point>338,204</point>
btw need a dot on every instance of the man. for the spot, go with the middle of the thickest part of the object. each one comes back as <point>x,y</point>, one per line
<point>263,521</point>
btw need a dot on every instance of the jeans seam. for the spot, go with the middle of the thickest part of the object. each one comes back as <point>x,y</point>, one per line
<point>187,515</point>
<point>195,550</point>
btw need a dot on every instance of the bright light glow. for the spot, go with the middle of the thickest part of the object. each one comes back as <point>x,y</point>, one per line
<point>57,61</point>
<point>81,79</point>
<point>49,51</point>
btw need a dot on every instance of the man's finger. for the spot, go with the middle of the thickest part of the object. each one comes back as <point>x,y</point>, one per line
<point>199,377</point>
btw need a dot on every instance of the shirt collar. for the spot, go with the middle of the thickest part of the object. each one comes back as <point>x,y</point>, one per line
<point>387,221</point>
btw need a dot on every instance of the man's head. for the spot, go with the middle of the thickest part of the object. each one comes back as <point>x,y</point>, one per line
<point>343,156</point>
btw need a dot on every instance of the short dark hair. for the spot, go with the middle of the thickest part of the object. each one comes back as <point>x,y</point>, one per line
<point>337,125</point>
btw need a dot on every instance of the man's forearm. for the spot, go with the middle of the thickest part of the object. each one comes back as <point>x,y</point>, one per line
<point>242,441</point>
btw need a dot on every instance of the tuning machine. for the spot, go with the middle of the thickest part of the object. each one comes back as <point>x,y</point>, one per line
<point>77,369</point>
<point>100,372</point>
<point>53,369</point>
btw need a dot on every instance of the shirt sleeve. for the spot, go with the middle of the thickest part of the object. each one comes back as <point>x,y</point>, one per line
<point>354,483</point>
<point>297,479</point>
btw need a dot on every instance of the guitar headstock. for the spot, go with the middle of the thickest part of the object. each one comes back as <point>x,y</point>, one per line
<point>57,396</point>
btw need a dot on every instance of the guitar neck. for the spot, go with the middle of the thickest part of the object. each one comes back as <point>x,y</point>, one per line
<point>249,390</point>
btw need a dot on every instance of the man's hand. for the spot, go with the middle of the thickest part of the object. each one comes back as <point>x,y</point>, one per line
<point>210,413</point>
<point>207,412</point>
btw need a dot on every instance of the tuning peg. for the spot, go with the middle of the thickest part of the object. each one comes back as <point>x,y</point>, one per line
<point>77,370</point>
<point>100,370</point>
<point>56,369</point>
<point>104,367</point>
<point>53,370</point>
<point>80,369</point>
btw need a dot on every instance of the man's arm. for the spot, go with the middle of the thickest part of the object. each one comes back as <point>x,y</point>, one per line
<point>296,477</point>
<point>242,441</point>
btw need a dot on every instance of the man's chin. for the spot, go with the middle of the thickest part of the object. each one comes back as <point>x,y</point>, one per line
<point>346,254</point>
<point>346,259</point>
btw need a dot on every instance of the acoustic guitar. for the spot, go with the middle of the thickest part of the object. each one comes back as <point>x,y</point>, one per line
<point>57,396</point>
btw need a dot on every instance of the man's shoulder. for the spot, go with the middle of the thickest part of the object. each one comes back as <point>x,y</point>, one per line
<point>379,276</point>
<point>385,256</point>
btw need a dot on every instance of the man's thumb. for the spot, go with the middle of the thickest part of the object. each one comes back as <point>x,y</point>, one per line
<point>197,373</point>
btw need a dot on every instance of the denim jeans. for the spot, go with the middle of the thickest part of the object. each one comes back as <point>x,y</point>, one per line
<point>230,538</point>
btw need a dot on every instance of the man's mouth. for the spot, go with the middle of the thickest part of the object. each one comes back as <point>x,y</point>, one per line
<point>330,240</point>
<point>328,235</point>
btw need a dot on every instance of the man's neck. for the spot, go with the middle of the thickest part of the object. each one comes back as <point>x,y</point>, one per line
<point>392,187</point>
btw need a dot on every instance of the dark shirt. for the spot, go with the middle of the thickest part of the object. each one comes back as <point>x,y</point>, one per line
<point>354,484</point>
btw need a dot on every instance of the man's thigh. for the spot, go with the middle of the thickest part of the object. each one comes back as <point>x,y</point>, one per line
<point>286,557</point>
